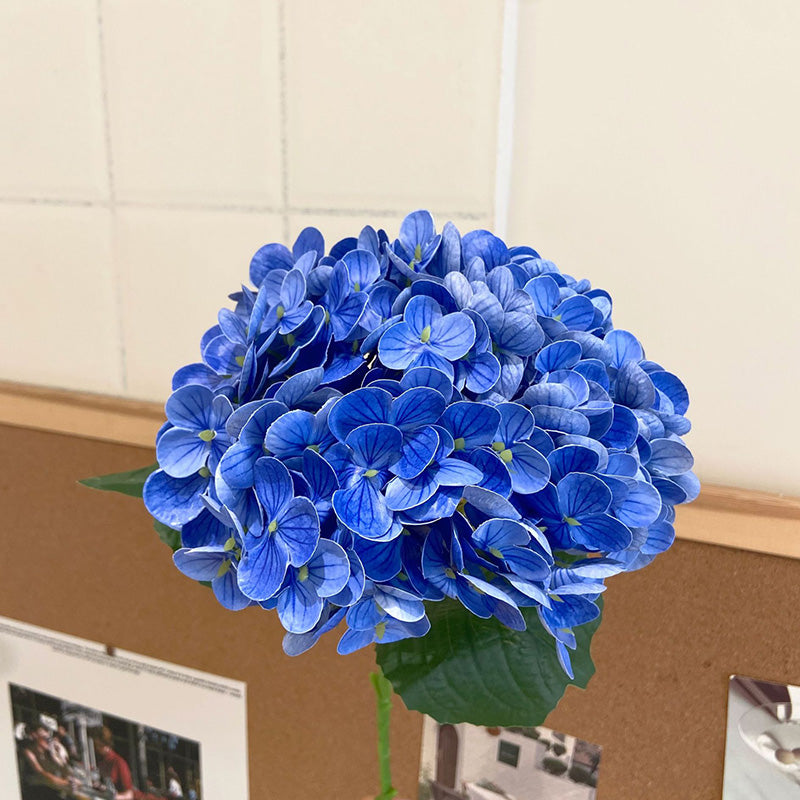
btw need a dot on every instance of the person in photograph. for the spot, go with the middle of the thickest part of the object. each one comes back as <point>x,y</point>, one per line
<point>112,765</point>
<point>58,751</point>
<point>68,742</point>
<point>174,788</point>
<point>41,776</point>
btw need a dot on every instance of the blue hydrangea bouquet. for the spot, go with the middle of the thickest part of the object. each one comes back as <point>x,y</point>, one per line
<point>437,444</point>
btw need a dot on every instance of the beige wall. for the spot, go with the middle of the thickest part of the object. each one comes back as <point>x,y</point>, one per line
<point>657,152</point>
<point>148,147</point>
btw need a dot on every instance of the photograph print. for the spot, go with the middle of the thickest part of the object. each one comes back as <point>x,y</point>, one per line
<point>467,762</point>
<point>67,751</point>
<point>762,746</point>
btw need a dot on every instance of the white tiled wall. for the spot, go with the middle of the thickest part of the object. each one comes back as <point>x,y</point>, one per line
<point>148,147</point>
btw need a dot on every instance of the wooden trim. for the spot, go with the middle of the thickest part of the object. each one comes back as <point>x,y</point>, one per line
<point>722,515</point>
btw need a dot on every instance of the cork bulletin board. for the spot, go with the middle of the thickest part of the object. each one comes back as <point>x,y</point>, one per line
<point>88,564</point>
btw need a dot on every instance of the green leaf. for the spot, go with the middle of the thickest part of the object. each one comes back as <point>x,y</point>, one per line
<point>468,669</point>
<point>129,483</point>
<point>169,536</point>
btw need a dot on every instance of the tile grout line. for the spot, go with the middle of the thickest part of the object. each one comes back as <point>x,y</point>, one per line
<point>232,207</point>
<point>112,202</point>
<point>284,121</point>
<point>505,117</point>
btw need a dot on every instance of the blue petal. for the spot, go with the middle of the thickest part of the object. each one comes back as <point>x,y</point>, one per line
<point>572,458</point>
<point>308,240</point>
<point>495,475</point>
<point>354,587</point>
<point>399,604</point>
<point>529,565</point>
<point>398,346</point>
<point>483,372</point>
<point>347,315</point>
<point>293,289</point>
<point>633,387</point>
<point>576,313</point>
<point>490,503</point>
<point>403,494</point>
<point>497,534</point>
<point>417,228</point>
<point>263,568</point>
<point>299,607</point>
<point>421,313</point>
<point>174,501</point>
<point>519,334</point>
<point>205,529</point>
<point>328,568</point>
<point>673,388</point>
<point>659,538</point>
<point>320,475</point>
<point>624,347</point>
<point>601,532</point>
<point>361,407</point>
<point>471,424</point>
<point>236,466</point>
<point>298,529</point>
<point>484,245</point>
<point>352,641</point>
<point>268,258</point>
<point>516,423</point>
<point>561,420</point>
<point>381,560</point>
<point>227,592</point>
<point>549,394</point>
<point>558,355</point>
<point>273,487</point>
<point>200,563</point>
<point>667,457</point>
<point>442,505</point>
<point>181,453</point>
<point>580,494</point>
<point>290,434</point>
<point>190,407</point>
<point>528,468</point>
<point>417,407</point>
<point>623,431</point>
<point>375,446</point>
<point>418,451</point>
<point>363,509</point>
<point>454,472</point>
<point>299,386</point>
<point>428,376</point>
<point>544,291</point>
<point>641,506</point>
<point>511,371</point>
<point>363,268</point>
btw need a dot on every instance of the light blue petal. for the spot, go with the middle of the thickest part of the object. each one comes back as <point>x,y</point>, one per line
<point>354,587</point>
<point>576,313</point>
<point>417,228</point>
<point>295,389</point>
<point>352,641</point>
<point>495,475</point>
<point>519,334</point>
<point>572,458</point>
<point>309,240</point>
<point>544,291</point>
<point>400,605</point>
<point>236,466</point>
<point>484,245</point>
<point>490,503</point>
<point>483,372</point>
<point>320,475</point>
<point>641,506</point>
<point>293,289</point>
<point>328,568</point>
<point>549,394</point>
<point>516,423</point>
<point>529,565</point>
<point>268,258</point>
<point>660,537</point>
<point>428,376</point>
<point>497,534</point>
<point>623,431</point>
<point>561,420</point>
<point>347,315</point>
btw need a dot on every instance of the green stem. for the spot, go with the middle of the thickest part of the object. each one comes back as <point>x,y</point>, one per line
<point>383,697</point>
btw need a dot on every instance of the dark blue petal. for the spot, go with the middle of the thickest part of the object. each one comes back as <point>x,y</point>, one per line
<point>528,468</point>
<point>418,451</point>
<point>580,494</point>
<point>290,434</point>
<point>273,487</point>
<point>298,529</point>
<point>361,407</point>
<point>375,446</point>
<point>417,407</point>
<point>624,347</point>
<point>516,423</point>
<point>363,509</point>
<point>363,268</point>
<point>402,494</point>
<point>181,453</point>
<point>667,457</point>
<point>633,387</point>
<point>299,386</point>
<point>263,568</point>
<point>623,431</point>
<point>572,458</point>
<point>558,355</point>
<point>190,407</point>
<point>601,532</point>
<point>495,475</point>
<point>471,424</point>
<point>227,592</point>
<point>641,506</point>
<point>309,240</point>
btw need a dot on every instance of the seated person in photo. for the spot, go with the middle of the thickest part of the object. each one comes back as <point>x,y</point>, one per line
<point>174,788</point>
<point>68,742</point>
<point>112,766</point>
<point>41,776</point>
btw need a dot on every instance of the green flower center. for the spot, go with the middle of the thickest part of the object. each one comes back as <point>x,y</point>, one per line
<point>239,360</point>
<point>289,339</point>
<point>207,435</point>
<point>370,473</point>
<point>272,527</point>
<point>448,573</point>
<point>459,444</point>
<point>571,521</point>
<point>380,630</point>
<point>230,544</point>
<point>279,312</point>
<point>495,552</point>
<point>418,253</point>
<point>302,573</point>
<point>426,334</point>
<point>204,472</point>
<point>498,447</point>
<point>223,568</point>
<point>506,456</point>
